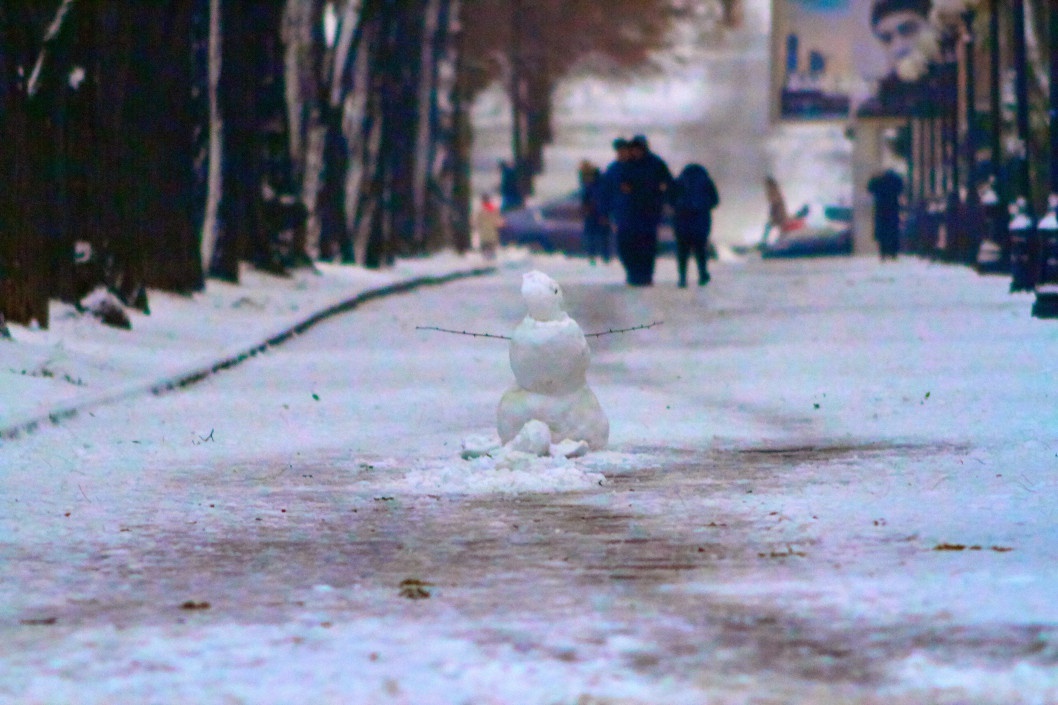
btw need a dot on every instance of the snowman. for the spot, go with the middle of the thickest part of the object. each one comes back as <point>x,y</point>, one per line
<point>550,409</point>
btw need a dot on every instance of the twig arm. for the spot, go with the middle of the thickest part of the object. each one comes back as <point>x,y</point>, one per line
<point>507,337</point>
<point>463,332</point>
<point>623,330</point>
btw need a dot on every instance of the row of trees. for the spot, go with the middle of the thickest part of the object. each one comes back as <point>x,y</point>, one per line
<point>155,144</point>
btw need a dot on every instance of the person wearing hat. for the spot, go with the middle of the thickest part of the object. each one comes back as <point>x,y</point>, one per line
<point>897,25</point>
<point>610,184</point>
<point>886,188</point>
<point>638,189</point>
<point>621,152</point>
<point>695,197</point>
<point>596,234</point>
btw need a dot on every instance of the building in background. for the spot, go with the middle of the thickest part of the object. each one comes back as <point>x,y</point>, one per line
<point>834,63</point>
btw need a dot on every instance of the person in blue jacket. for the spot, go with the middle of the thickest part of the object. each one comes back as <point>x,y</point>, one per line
<point>510,189</point>
<point>611,175</point>
<point>886,188</point>
<point>693,202</point>
<point>637,190</point>
<point>597,231</point>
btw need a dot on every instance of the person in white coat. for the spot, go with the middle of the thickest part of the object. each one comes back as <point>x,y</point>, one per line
<point>488,222</point>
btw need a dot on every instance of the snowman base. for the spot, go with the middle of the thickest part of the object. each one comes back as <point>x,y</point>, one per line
<point>574,417</point>
<point>532,441</point>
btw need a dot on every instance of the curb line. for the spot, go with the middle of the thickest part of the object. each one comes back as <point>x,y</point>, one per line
<point>198,373</point>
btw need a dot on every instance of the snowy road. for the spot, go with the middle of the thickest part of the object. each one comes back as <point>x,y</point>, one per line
<point>829,482</point>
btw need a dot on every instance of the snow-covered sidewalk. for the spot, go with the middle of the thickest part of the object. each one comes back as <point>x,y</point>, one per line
<point>78,363</point>
<point>827,482</point>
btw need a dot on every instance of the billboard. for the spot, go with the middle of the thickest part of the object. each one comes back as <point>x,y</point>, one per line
<point>833,59</point>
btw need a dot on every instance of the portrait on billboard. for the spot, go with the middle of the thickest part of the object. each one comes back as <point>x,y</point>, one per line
<point>896,33</point>
<point>834,59</point>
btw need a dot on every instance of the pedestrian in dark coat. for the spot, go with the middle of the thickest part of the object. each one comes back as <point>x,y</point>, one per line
<point>637,194</point>
<point>611,177</point>
<point>886,188</point>
<point>510,188</point>
<point>592,201</point>
<point>693,203</point>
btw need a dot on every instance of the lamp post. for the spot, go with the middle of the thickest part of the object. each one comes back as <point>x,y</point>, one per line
<point>994,254</point>
<point>973,216</point>
<point>1023,237</point>
<point>1046,305</point>
<point>953,220</point>
<point>955,20</point>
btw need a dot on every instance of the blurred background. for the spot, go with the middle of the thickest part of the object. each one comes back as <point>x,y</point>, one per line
<point>157,145</point>
<point>702,98</point>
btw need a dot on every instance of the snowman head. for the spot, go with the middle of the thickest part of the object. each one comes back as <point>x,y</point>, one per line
<point>543,296</point>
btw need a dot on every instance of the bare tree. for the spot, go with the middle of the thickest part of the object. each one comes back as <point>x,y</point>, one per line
<point>531,45</point>
<point>24,288</point>
<point>256,169</point>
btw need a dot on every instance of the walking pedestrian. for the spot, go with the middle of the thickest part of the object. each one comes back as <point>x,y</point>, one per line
<point>693,203</point>
<point>777,214</point>
<point>886,188</point>
<point>610,188</point>
<point>488,222</point>
<point>611,175</point>
<point>597,231</point>
<point>636,194</point>
<point>510,188</point>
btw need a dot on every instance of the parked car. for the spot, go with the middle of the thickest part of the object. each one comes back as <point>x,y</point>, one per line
<point>815,230</point>
<point>556,225</point>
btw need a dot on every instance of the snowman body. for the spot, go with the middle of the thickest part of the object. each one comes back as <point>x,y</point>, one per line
<point>549,356</point>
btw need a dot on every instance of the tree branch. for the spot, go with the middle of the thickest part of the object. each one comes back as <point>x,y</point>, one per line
<point>50,38</point>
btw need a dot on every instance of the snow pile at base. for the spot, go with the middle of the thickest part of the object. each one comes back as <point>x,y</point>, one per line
<point>509,473</point>
<point>506,473</point>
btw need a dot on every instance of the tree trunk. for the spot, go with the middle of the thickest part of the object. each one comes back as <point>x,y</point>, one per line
<point>447,217</point>
<point>23,286</point>
<point>215,136</point>
<point>255,154</point>
<point>340,71</point>
<point>307,60</point>
<point>141,187</point>
<point>460,145</point>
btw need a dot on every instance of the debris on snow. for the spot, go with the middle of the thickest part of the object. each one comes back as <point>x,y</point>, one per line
<point>192,605</point>
<point>414,589</point>
<point>107,308</point>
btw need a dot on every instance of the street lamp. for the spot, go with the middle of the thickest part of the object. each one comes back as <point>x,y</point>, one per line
<point>974,213</point>
<point>1046,305</point>
<point>916,68</point>
<point>955,18</point>
<point>994,254</point>
<point>1022,239</point>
